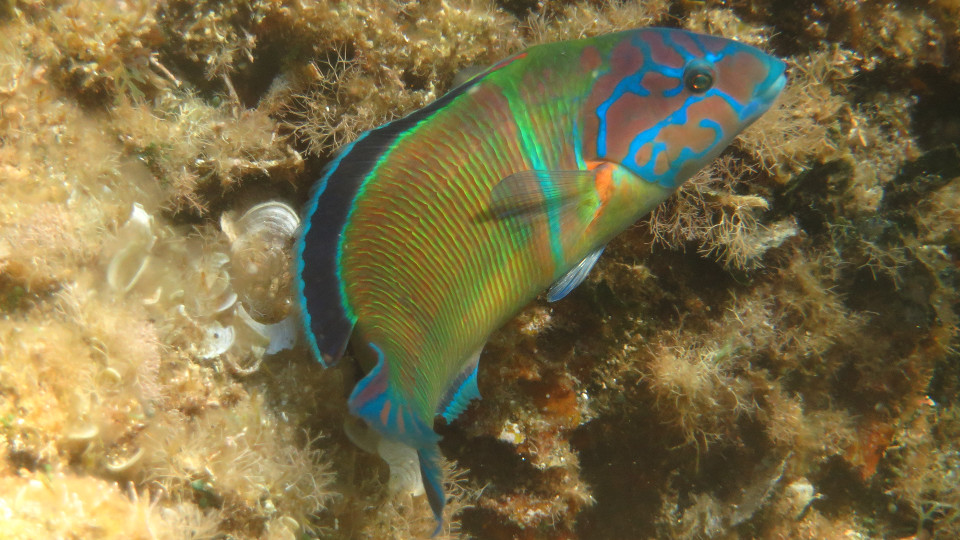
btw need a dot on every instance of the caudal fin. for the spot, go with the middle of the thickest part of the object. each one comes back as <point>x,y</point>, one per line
<point>431,471</point>
<point>384,409</point>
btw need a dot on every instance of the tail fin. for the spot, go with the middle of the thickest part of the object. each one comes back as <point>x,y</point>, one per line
<point>376,401</point>
<point>431,471</point>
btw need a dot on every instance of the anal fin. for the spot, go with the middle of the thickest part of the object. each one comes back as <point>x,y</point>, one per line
<point>384,409</point>
<point>462,390</point>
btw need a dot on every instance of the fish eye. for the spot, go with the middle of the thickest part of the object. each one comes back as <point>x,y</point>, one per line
<point>698,78</point>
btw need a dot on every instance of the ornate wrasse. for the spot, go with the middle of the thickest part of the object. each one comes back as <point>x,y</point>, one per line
<point>428,233</point>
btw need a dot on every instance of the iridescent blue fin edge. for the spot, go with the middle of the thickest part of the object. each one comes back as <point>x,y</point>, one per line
<point>379,404</point>
<point>431,470</point>
<point>462,391</point>
<point>574,277</point>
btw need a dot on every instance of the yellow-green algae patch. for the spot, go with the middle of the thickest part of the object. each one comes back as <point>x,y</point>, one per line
<point>773,353</point>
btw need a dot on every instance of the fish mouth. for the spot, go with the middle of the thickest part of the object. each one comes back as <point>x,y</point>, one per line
<point>774,84</point>
<point>766,93</point>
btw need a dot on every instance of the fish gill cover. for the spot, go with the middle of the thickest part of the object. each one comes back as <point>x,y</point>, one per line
<point>772,352</point>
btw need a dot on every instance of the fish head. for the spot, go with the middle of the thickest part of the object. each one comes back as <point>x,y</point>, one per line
<point>666,102</point>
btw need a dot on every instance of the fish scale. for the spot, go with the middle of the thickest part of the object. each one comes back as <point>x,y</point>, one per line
<point>428,233</point>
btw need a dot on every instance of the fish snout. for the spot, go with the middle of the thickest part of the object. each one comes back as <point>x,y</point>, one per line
<point>770,88</point>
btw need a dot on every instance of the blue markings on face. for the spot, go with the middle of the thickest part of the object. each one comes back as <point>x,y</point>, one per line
<point>633,84</point>
<point>686,154</point>
<point>743,110</point>
<point>675,91</point>
<point>678,117</point>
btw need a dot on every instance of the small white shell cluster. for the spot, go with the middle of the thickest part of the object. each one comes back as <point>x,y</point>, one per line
<point>222,295</point>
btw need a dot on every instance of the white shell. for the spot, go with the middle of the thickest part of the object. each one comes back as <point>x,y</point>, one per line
<point>215,294</point>
<point>278,336</point>
<point>260,257</point>
<point>130,262</point>
<point>84,433</point>
<point>404,467</point>
<point>271,219</point>
<point>227,300</point>
<point>405,478</point>
<point>217,340</point>
<point>124,464</point>
<point>126,268</point>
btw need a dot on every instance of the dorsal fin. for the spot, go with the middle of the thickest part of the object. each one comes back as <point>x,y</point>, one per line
<point>325,312</point>
<point>327,315</point>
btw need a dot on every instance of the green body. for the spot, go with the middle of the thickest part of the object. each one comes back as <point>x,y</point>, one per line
<point>429,233</point>
<point>427,272</point>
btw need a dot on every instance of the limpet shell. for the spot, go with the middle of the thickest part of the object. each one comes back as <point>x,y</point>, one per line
<point>267,220</point>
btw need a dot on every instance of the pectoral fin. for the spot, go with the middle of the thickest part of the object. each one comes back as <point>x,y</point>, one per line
<point>531,195</point>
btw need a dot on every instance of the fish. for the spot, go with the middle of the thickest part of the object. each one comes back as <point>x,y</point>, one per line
<point>425,235</point>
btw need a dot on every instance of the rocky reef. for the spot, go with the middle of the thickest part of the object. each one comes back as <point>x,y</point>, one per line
<point>772,353</point>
